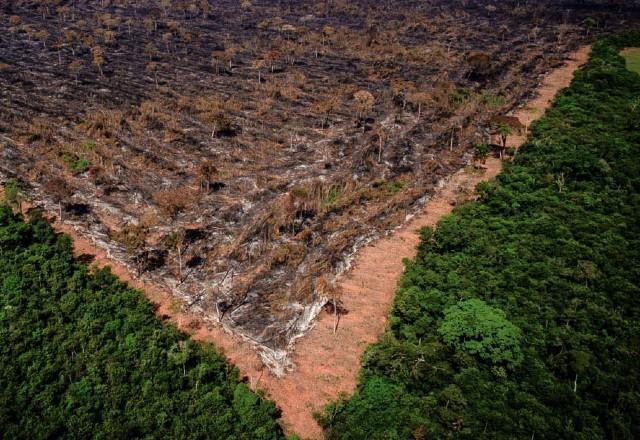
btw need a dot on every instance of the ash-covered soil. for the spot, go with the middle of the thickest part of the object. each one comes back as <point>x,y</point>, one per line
<point>240,152</point>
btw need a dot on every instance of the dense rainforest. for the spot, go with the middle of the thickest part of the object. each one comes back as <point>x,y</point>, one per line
<point>520,316</point>
<point>84,356</point>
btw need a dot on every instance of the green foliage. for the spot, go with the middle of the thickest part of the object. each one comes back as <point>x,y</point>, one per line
<point>333,196</point>
<point>474,327</point>
<point>459,96</point>
<point>393,187</point>
<point>481,151</point>
<point>76,165</point>
<point>83,356</point>
<point>520,316</point>
<point>492,100</point>
<point>13,192</point>
<point>89,145</point>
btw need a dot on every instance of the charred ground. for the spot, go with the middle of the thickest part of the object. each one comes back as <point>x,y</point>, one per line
<point>240,152</point>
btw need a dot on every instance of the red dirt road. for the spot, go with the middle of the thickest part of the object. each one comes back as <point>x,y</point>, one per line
<point>326,363</point>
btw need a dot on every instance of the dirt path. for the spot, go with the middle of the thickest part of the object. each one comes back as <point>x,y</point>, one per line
<point>327,363</point>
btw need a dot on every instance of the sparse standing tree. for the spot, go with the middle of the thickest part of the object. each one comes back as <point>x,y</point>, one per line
<point>364,101</point>
<point>207,171</point>
<point>228,55</point>
<point>167,37</point>
<point>205,7</point>
<point>152,68</point>
<point>216,57</point>
<point>74,68</point>
<point>178,242</point>
<point>14,193</point>
<point>380,134</point>
<point>151,50</point>
<point>130,21</point>
<point>503,30</point>
<point>503,130</point>
<point>336,294</point>
<point>97,55</point>
<point>326,107</point>
<point>258,64</point>
<point>58,189</point>
<point>43,36</point>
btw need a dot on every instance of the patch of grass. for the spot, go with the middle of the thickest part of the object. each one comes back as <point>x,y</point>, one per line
<point>393,187</point>
<point>459,96</point>
<point>492,100</point>
<point>76,165</point>
<point>632,56</point>
<point>333,196</point>
<point>89,145</point>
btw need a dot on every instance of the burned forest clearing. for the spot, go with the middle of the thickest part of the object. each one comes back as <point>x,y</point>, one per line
<point>285,180</point>
<point>239,154</point>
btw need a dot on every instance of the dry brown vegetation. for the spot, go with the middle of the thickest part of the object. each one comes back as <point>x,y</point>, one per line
<point>239,152</point>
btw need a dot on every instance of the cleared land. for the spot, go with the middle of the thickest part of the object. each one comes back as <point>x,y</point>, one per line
<point>238,155</point>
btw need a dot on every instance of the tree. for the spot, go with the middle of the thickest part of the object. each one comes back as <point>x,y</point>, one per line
<point>364,101</point>
<point>419,99</point>
<point>151,50</point>
<point>74,68</point>
<point>105,332</point>
<point>133,236</point>
<point>329,289</point>
<point>503,30</point>
<point>70,38</point>
<point>402,89</point>
<point>152,68</point>
<point>214,112</point>
<point>327,106</point>
<point>205,7</point>
<point>479,63</point>
<point>480,153</point>
<point>43,36</point>
<point>14,20</point>
<point>271,57</point>
<point>97,57</point>
<point>176,240</point>
<point>478,329</point>
<point>228,54</point>
<point>206,171</point>
<point>258,64</point>
<point>216,59</point>
<point>58,189</point>
<point>504,126</point>
<point>167,38</point>
<point>379,132</point>
<point>503,130</point>
<point>14,193</point>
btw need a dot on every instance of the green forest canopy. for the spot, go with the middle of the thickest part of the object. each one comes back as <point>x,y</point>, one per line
<point>84,356</point>
<point>520,316</point>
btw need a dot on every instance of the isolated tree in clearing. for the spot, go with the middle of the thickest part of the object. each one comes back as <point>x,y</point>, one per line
<point>97,55</point>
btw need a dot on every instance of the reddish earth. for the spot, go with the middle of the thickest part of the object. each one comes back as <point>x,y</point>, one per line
<point>327,363</point>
